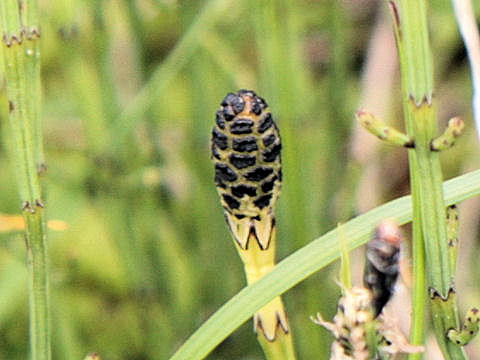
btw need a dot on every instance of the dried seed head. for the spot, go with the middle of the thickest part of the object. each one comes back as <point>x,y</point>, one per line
<point>353,327</point>
<point>246,151</point>
<point>349,326</point>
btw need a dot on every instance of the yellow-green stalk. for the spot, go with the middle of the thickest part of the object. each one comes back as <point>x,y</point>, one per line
<point>246,151</point>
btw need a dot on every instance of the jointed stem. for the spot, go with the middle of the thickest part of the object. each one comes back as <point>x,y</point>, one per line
<point>270,322</point>
<point>431,253</point>
<point>22,73</point>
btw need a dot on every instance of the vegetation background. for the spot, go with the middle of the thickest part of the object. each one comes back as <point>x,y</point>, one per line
<point>130,93</point>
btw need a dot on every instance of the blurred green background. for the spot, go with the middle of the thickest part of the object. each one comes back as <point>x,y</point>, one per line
<point>130,93</point>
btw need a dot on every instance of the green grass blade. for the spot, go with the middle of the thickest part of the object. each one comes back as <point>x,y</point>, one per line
<point>183,51</point>
<point>307,261</point>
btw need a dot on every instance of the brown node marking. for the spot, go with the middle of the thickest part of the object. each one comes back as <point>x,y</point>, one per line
<point>425,100</point>
<point>12,39</point>
<point>282,325</point>
<point>410,144</point>
<point>253,233</point>
<point>434,293</point>
<point>32,33</point>
<point>26,206</point>
<point>39,203</point>
<point>279,325</point>
<point>42,168</point>
<point>11,105</point>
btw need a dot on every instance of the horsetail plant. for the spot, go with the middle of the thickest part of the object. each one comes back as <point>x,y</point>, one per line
<point>19,21</point>
<point>246,151</point>
<point>431,253</point>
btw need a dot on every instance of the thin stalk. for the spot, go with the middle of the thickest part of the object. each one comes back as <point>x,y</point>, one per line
<point>21,70</point>
<point>429,226</point>
<point>31,28</point>
<point>270,322</point>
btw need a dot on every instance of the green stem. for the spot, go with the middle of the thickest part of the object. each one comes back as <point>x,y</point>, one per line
<point>38,286</point>
<point>20,51</point>
<point>430,235</point>
<point>31,28</point>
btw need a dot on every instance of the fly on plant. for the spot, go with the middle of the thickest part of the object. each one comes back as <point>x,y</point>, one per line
<point>382,263</point>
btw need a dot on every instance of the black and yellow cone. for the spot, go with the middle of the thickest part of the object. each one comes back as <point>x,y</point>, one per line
<point>246,151</point>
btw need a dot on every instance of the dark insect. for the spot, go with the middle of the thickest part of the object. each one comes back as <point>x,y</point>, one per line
<point>382,265</point>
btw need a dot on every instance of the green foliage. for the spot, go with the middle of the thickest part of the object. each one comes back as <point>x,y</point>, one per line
<point>130,90</point>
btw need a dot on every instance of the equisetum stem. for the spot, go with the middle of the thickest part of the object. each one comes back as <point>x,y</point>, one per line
<point>21,58</point>
<point>31,29</point>
<point>258,263</point>
<point>429,227</point>
<point>246,148</point>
